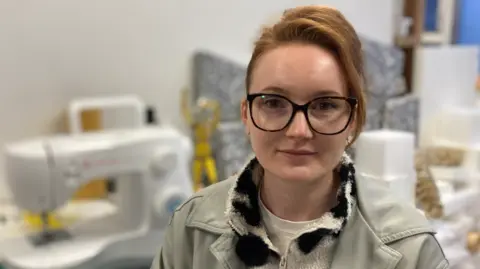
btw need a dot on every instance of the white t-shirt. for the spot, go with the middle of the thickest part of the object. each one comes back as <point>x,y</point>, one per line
<point>280,231</point>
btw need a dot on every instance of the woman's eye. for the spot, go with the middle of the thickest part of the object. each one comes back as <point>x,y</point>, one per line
<point>274,103</point>
<point>325,106</point>
<point>271,103</point>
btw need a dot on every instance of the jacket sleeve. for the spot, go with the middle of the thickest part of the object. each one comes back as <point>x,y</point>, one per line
<point>431,255</point>
<point>164,259</point>
<point>176,250</point>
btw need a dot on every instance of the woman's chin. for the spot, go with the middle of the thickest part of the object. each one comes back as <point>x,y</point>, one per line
<point>305,174</point>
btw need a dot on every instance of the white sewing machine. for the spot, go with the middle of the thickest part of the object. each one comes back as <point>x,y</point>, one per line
<point>151,166</point>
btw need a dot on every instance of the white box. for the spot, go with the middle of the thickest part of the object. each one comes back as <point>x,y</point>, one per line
<point>403,187</point>
<point>385,153</point>
<point>457,126</point>
<point>460,201</point>
<point>471,161</point>
<point>443,75</point>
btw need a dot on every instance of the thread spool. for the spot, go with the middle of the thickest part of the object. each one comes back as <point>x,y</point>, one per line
<point>91,120</point>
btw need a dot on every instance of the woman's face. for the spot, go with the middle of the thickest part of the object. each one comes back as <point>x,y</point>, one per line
<point>300,73</point>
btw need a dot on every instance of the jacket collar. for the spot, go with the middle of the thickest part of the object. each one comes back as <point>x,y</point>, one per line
<point>243,215</point>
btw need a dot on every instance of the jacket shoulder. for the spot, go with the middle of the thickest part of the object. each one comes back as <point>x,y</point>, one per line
<point>422,251</point>
<point>390,218</point>
<point>203,210</point>
<point>206,208</point>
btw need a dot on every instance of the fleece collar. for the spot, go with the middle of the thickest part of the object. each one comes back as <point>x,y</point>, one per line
<point>244,215</point>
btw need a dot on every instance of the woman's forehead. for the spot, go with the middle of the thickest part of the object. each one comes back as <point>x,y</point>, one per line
<point>303,70</point>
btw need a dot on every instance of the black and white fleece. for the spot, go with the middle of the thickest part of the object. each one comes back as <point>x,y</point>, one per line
<point>311,249</point>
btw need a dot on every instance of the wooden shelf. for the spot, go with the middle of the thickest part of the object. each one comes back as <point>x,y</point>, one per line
<point>432,38</point>
<point>414,9</point>
<point>406,41</point>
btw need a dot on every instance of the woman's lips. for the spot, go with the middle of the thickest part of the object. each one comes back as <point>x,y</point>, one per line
<point>296,152</point>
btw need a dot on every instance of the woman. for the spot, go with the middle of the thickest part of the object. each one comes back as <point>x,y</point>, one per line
<point>298,203</point>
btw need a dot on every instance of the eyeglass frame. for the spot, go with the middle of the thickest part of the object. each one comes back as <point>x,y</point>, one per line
<point>352,101</point>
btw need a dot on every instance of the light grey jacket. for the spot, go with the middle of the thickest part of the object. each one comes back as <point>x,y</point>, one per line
<point>218,228</point>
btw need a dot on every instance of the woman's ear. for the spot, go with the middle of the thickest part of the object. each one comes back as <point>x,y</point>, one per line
<point>244,113</point>
<point>352,126</point>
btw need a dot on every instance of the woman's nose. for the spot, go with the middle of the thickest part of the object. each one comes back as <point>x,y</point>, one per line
<point>299,127</point>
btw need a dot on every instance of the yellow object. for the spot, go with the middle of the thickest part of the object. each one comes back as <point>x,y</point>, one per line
<point>203,120</point>
<point>34,221</point>
<point>427,195</point>
<point>473,242</point>
<point>95,189</point>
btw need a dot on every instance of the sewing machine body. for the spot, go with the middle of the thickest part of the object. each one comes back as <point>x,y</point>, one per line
<point>151,167</point>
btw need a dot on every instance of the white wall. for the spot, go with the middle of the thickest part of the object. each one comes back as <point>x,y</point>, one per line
<point>54,50</point>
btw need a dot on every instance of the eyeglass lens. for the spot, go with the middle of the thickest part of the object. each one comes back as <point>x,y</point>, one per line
<point>325,115</point>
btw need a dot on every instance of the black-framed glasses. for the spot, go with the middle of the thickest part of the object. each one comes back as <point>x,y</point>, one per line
<point>327,115</point>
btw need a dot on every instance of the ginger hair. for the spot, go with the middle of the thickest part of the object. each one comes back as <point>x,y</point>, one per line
<point>327,28</point>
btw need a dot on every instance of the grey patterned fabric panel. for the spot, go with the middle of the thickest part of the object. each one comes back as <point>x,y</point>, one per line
<point>234,148</point>
<point>384,68</point>
<point>402,113</point>
<point>219,78</point>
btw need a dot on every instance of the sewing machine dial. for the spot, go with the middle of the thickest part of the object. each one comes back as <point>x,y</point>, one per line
<point>167,200</point>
